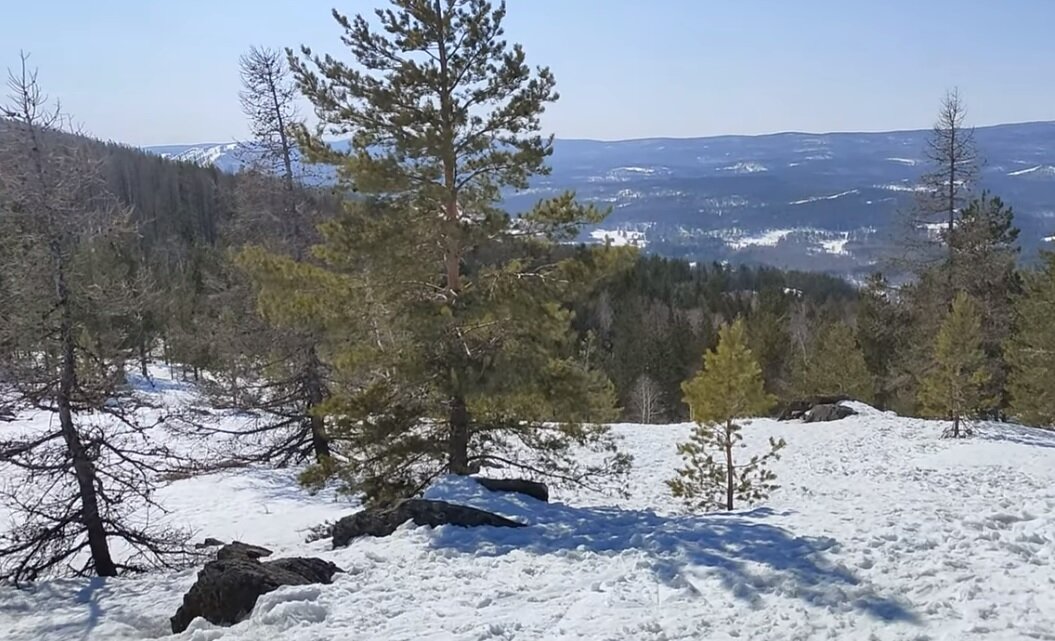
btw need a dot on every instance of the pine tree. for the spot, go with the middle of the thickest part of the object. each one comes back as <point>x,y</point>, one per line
<point>834,364</point>
<point>1031,349</point>
<point>985,249</point>
<point>448,322</point>
<point>880,335</point>
<point>729,388</point>
<point>954,388</point>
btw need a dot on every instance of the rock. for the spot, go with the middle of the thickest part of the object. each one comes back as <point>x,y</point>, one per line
<point>227,589</point>
<point>827,412</point>
<point>384,521</point>
<point>799,408</point>
<point>239,550</point>
<point>208,543</point>
<point>530,488</point>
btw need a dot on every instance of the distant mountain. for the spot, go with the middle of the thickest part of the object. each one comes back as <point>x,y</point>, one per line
<point>812,201</point>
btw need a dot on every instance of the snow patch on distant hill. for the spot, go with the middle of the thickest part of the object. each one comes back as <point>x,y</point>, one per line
<point>620,237</point>
<point>745,168</point>
<point>1043,170</point>
<point>904,161</point>
<point>813,199</point>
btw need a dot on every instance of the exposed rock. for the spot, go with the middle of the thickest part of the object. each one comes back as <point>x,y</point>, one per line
<point>227,588</point>
<point>208,543</point>
<point>239,550</point>
<point>827,412</point>
<point>530,488</point>
<point>799,408</point>
<point>384,521</point>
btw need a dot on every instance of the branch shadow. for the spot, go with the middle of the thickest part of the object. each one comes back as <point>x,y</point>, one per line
<point>751,558</point>
<point>1018,434</point>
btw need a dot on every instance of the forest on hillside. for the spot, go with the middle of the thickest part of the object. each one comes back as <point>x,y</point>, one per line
<point>400,325</point>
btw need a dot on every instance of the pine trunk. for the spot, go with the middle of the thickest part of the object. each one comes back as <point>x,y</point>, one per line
<point>458,439</point>
<point>82,465</point>
<point>320,442</point>
<point>729,473</point>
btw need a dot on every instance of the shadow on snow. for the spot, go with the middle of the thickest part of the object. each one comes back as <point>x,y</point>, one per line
<point>751,558</point>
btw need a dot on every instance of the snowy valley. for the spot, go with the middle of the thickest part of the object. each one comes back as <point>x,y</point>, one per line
<point>880,530</point>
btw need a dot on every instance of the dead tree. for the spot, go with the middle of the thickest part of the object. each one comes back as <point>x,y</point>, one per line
<point>274,374</point>
<point>944,190</point>
<point>89,477</point>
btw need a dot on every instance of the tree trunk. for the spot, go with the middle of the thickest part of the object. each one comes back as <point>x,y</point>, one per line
<point>320,442</point>
<point>82,465</point>
<point>729,466</point>
<point>458,439</point>
<point>143,357</point>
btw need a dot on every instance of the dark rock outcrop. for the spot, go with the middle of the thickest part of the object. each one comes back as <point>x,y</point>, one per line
<point>227,588</point>
<point>799,408</point>
<point>384,521</point>
<point>239,550</point>
<point>827,412</point>
<point>531,488</point>
<point>208,543</point>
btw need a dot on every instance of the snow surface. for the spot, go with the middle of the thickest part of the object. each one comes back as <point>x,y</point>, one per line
<point>881,530</point>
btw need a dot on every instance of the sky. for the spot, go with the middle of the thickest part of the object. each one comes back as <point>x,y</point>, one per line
<point>147,72</point>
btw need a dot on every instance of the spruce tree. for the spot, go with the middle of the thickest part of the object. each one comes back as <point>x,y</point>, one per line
<point>1031,349</point>
<point>954,388</point>
<point>448,321</point>
<point>729,388</point>
<point>834,364</point>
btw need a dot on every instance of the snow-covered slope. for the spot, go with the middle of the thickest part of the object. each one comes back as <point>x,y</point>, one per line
<point>881,531</point>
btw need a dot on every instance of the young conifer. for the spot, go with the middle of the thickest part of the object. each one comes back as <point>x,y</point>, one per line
<point>729,388</point>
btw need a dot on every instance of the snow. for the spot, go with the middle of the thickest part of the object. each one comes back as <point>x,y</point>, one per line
<point>745,168</point>
<point>881,530</point>
<point>904,161</point>
<point>768,238</point>
<point>836,245</point>
<point>813,199</point>
<point>620,237</point>
<point>902,187</point>
<point>1042,169</point>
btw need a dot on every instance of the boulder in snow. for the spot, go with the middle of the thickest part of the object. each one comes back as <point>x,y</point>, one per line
<point>208,543</point>
<point>384,521</point>
<point>533,489</point>
<point>827,412</point>
<point>799,408</point>
<point>239,550</point>
<point>227,588</point>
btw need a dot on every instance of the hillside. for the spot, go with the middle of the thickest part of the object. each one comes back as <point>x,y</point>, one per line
<point>797,200</point>
<point>880,531</point>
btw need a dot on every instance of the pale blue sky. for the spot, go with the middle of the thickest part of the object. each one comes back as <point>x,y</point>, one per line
<point>166,71</point>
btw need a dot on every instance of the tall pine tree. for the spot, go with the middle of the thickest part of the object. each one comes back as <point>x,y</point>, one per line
<point>449,320</point>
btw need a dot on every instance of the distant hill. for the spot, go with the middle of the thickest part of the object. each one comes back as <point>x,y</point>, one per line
<point>809,201</point>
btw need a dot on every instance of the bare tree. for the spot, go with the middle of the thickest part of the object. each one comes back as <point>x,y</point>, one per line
<point>945,188</point>
<point>646,400</point>
<point>89,479</point>
<point>272,372</point>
